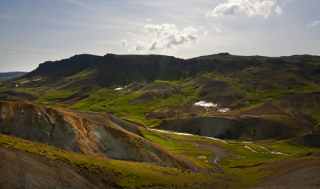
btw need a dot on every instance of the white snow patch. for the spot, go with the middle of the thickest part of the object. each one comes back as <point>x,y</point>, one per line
<point>17,85</point>
<point>205,104</point>
<point>169,132</point>
<point>275,152</point>
<point>24,81</point>
<point>118,89</point>
<point>37,79</point>
<point>202,157</point>
<point>224,110</point>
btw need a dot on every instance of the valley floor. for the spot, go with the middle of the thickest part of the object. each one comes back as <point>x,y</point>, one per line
<point>220,164</point>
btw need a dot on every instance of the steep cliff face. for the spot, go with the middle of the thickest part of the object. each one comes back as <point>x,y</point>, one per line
<point>240,127</point>
<point>80,135</point>
<point>125,69</point>
<point>65,67</point>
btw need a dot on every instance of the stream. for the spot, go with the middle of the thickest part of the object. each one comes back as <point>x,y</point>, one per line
<point>269,150</point>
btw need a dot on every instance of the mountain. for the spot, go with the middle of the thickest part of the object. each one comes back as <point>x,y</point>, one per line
<point>9,75</point>
<point>155,86</point>
<point>108,122</point>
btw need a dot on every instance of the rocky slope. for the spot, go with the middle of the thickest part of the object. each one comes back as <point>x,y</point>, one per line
<point>80,134</point>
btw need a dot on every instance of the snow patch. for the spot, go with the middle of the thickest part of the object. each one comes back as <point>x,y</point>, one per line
<point>224,110</point>
<point>169,132</point>
<point>205,104</point>
<point>37,79</point>
<point>24,81</point>
<point>118,89</point>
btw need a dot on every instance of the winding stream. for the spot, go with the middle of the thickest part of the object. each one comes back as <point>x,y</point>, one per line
<point>188,134</point>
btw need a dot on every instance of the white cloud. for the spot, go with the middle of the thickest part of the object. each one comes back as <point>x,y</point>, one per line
<point>217,29</point>
<point>278,10</point>
<point>249,7</point>
<point>163,39</point>
<point>313,24</point>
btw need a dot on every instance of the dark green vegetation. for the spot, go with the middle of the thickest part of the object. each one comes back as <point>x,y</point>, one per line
<point>272,101</point>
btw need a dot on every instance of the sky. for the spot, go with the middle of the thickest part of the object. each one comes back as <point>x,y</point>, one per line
<point>35,31</point>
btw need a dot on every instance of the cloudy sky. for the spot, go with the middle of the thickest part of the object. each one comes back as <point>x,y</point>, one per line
<point>34,31</point>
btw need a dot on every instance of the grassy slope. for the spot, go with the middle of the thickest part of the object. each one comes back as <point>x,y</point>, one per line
<point>246,166</point>
<point>122,173</point>
<point>238,172</point>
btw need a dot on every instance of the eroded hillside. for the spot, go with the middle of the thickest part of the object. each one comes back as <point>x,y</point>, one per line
<point>79,134</point>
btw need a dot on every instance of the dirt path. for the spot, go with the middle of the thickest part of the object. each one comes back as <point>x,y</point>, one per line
<point>220,152</point>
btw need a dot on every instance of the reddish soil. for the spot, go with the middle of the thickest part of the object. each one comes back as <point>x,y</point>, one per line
<point>224,101</point>
<point>20,169</point>
<point>169,112</point>
<point>264,109</point>
<point>295,172</point>
<point>263,87</point>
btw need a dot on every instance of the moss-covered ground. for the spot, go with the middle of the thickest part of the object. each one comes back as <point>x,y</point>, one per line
<point>245,164</point>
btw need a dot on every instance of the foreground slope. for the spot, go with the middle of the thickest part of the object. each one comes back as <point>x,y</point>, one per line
<point>33,164</point>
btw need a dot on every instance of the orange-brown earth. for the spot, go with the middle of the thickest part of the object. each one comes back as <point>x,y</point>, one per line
<point>82,134</point>
<point>294,173</point>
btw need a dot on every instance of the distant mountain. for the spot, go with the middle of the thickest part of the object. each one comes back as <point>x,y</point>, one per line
<point>10,75</point>
<point>147,89</point>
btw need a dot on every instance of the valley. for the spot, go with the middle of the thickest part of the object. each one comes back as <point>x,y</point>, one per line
<point>153,121</point>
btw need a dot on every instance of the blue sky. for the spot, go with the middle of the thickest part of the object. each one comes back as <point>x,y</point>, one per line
<point>34,31</point>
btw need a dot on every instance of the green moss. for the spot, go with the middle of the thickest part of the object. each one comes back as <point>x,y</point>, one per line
<point>276,116</point>
<point>182,148</point>
<point>188,91</point>
<point>172,82</point>
<point>82,74</point>
<point>54,95</point>
<point>286,146</point>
